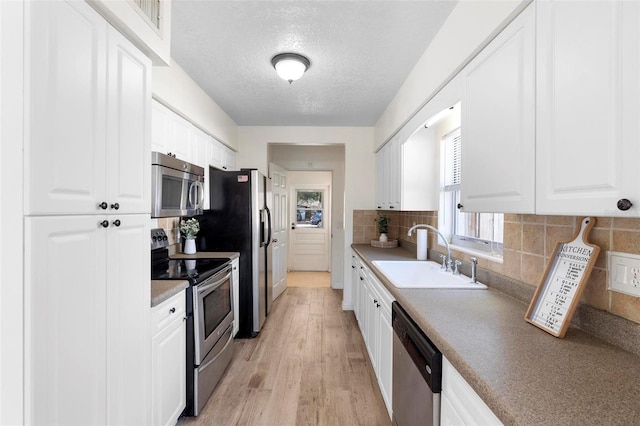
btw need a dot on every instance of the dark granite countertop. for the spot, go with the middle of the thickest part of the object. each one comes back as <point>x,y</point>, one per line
<point>525,375</point>
<point>162,290</point>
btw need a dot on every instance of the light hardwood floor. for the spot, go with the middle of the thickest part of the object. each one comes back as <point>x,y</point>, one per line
<point>308,279</point>
<point>308,366</point>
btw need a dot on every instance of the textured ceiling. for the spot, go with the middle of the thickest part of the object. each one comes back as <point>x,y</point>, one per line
<point>360,51</point>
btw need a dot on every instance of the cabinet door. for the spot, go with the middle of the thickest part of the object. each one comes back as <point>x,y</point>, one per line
<point>169,364</point>
<point>128,302</point>
<point>498,123</point>
<point>180,143</point>
<point>587,107</point>
<point>393,158</point>
<point>215,154</point>
<point>385,354</point>
<point>372,325</point>
<point>65,320</point>
<point>229,159</point>
<point>355,285</point>
<point>461,404</point>
<point>128,171</point>
<point>362,309</point>
<point>380,201</point>
<point>160,127</point>
<point>66,85</point>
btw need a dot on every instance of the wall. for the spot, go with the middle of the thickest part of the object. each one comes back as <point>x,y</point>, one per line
<point>359,189</point>
<point>325,157</point>
<point>11,211</point>
<point>471,25</point>
<point>174,88</point>
<point>529,241</point>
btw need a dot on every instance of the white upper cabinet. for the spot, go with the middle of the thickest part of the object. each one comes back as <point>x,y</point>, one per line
<point>89,95</point>
<point>67,83</point>
<point>388,176</point>
<point>181,145</point>
<point>588,107</point>
<point>128,156</point>
<point>498,122</point>
<point>160,124</point>
<point>215,154</point>
<point>228,159</point>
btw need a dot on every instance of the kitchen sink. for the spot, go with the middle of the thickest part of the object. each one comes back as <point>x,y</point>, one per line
<point>423,274</point>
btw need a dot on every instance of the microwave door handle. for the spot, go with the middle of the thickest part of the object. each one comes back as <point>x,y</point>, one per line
<point>200,191</point>
<point>190,194</point>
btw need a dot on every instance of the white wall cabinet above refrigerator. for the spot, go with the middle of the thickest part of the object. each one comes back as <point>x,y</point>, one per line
<point>588,62</point>
<point>498,122</point>
<point>88,115</point>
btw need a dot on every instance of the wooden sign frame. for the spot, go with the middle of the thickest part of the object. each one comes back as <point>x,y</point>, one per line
<point>567,272</point>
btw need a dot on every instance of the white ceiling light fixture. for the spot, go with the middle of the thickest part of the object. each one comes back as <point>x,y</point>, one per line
<point>290,66</point>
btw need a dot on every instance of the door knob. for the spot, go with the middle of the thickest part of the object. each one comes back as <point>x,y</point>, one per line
<point>103,205</point>
<point>116,222</point>
<point>115,206</point>
<point>275,240</point>
<point>105,223</point>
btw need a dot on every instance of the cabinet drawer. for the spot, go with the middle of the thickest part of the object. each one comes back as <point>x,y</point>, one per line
<point>167,312</point>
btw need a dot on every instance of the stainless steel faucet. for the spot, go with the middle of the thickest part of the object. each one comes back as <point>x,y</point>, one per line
<point>423,225</point>
<point>474,263</point>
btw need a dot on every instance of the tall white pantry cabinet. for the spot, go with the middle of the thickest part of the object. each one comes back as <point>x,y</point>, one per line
<point>87,207</point>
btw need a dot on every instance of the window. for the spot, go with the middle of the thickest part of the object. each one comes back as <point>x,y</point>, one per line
<point>309,208</point>
<point>481,232</point>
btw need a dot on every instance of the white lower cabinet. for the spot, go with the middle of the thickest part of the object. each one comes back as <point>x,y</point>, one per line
<point>87,320</point>
<point>460,405</point>
<point>235,293</point>
<point>168,360</point>
<point>374,317</point>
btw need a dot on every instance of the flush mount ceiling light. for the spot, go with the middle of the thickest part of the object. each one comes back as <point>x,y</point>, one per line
<point>290,66</point>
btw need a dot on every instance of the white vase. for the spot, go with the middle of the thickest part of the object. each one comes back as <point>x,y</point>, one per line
<point>383,238</point>
<point>189,246</point>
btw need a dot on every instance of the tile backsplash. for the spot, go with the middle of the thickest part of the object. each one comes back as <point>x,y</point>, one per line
<point>170,226</point>
<point>529,241</point>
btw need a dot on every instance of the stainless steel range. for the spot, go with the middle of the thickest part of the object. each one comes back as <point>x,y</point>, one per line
<point>210,317</point>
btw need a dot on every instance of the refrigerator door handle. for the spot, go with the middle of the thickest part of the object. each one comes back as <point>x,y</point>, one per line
<point>268,225</point>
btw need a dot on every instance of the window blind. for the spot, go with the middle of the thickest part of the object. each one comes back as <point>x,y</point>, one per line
<point>452,154</point>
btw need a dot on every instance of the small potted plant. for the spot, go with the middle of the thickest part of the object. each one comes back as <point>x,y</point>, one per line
<point>189,229</point>
<point>382,222</point>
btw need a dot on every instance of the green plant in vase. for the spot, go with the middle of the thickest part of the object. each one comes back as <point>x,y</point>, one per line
<point>382,222</point>
<point>189,229</point>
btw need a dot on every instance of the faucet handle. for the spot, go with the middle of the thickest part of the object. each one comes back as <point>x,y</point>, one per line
<point>455,267</point>
<point>443,258</point>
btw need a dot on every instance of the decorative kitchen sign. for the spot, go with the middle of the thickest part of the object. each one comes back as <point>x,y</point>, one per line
<point>567,272</point>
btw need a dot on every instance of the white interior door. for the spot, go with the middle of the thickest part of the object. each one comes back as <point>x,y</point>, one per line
<point>279,224</point>
<point>310,225</point>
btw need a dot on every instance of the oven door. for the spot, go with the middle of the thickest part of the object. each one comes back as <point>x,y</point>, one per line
<point>212,312</point>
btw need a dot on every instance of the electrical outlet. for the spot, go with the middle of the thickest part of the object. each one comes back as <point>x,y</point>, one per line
<point>623,273</point>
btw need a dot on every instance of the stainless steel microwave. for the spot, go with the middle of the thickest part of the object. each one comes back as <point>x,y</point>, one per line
<point>177,187</point>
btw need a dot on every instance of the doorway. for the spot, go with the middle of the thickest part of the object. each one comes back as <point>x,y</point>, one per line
<point>310,217</point>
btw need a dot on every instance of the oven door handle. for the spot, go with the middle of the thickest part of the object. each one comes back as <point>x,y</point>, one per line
<point>226,345</point>
<point>206,288</point>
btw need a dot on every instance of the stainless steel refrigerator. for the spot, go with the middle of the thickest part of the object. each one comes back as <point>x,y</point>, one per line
<point>239,220</point>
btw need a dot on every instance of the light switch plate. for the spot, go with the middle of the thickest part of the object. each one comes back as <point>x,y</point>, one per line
<point>623,273</point>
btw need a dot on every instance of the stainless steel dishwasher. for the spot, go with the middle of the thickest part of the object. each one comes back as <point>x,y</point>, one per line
<point>417,373</point>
